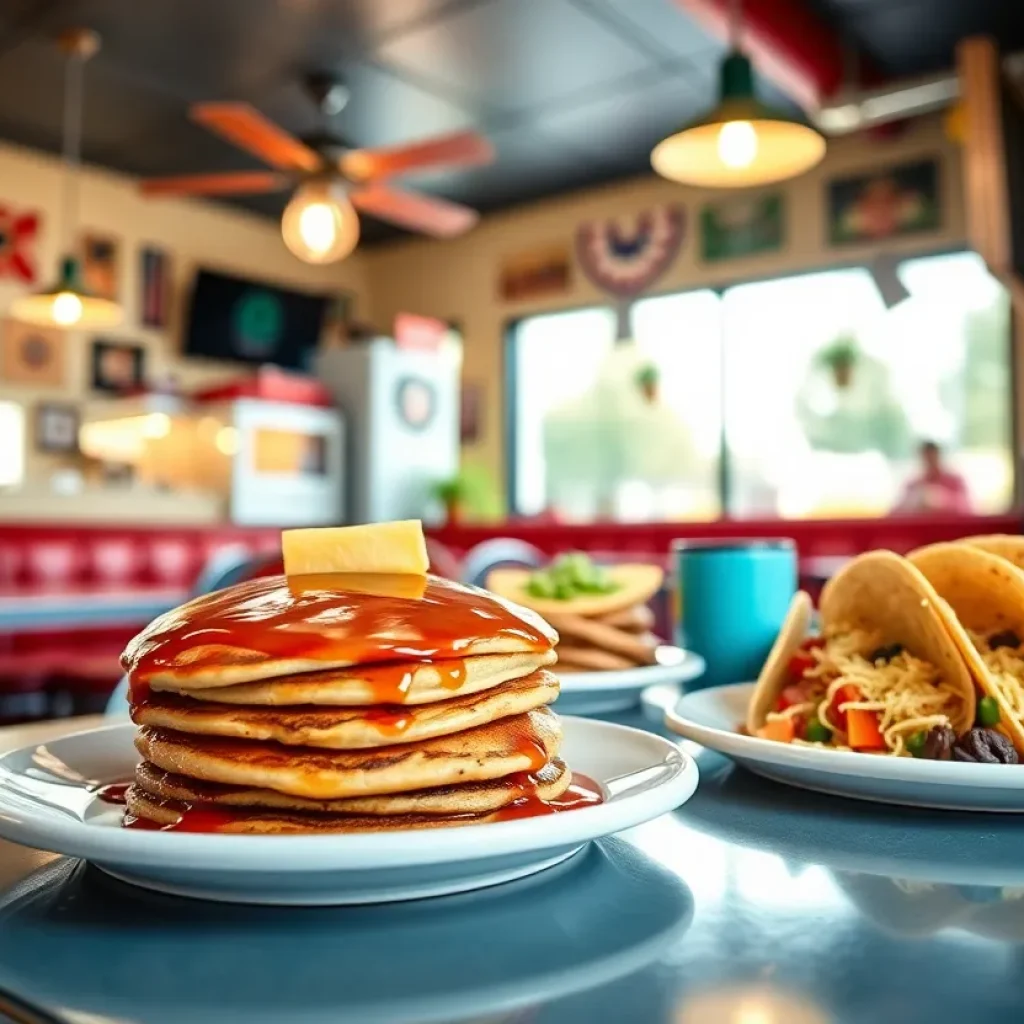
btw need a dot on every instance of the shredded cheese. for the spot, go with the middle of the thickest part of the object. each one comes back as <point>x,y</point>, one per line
<point>1007,665</point>
<point>907,692</point>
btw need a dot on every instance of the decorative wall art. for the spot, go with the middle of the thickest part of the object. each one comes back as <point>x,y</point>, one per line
<point>535,273</point>
<point>882,204</point>
<point>101,265</point>
<point>33,356</point>
<point>57,427</point>
<point>625,260</point>
<point>742,226</point>
<point>117,367</point>
<point>471,411</point>
<point>18,233</point>
<point>155,278</point>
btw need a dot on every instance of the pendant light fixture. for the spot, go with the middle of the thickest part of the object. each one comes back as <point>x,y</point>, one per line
<point>320,225</point>
<point>741,142</point>
<point>67,302</point>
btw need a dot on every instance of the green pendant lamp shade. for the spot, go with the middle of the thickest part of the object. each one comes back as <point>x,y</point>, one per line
<point>742,142</point>
<point>66,303</point>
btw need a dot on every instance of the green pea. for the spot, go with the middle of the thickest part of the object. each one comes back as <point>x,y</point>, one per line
<point>916,742</point>
<point>988,712</point>
<point>817,732</point>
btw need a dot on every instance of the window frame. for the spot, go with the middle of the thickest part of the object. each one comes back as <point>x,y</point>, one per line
<point>511,383</point>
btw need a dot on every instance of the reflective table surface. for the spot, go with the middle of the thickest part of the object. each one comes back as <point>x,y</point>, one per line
<point>752,904</point>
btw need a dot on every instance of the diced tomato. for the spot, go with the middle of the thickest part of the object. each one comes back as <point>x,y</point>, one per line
<point>844,695</point>
<point>802,659</point>
<point>779,729</point>
<point>862,730</point>
<point>792,694</point>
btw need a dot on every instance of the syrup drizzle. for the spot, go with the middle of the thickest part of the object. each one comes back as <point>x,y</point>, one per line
<point>334,626</point>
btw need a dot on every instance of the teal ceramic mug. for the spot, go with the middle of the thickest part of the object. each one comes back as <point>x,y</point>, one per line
<point>730,599</point>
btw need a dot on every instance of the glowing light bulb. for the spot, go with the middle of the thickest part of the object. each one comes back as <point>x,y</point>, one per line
<point>737,144</point>
<point>317,227</point>
<point>319,224</point>
<point>67,308</point>
<point>156,425</point>
<point>226,441</point>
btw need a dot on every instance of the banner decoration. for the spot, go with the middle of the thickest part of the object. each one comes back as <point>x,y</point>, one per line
<point>18,232</point>
<point>627,261</point>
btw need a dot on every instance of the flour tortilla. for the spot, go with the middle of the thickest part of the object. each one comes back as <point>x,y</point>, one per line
<point>878,592</point>
<point>1005,545</point>
<point>982,592</point>
<point>795,629</point>
<point>347,728</point>
<point>885,593</point>
<point>636,584</point>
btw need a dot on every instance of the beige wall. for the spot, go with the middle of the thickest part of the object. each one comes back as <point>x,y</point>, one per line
<point>458,279</point>
<point>190,232</point>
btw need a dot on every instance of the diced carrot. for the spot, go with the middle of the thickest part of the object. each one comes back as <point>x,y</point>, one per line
<point>862,731</point>
<point>844,695</point>
<point>780,729</point>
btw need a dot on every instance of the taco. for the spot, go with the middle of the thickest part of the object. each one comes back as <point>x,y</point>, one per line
<point>1005,545</point>
<point>884,676</point>
<point>984,612</point>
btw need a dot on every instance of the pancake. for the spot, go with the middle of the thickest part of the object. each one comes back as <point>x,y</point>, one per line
<point>548,783</point>
<point>264,628</point>
<point>523,743</point>
<point>347,728</point>
<point>163,813</point>
<point>397,683</point>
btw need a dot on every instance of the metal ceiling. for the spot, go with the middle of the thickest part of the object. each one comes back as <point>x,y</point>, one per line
<point>572,92</point>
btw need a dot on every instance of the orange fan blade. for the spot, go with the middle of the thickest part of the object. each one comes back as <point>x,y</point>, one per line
<point>460,149</point>
<point>415,212</point>
<point>216,184</point>
<point>247,128</point>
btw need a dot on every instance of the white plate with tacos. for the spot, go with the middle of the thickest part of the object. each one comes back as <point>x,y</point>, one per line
<point>883,705</point>
<point>607,651</point>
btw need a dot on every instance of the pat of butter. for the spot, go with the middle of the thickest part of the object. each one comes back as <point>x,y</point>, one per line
<point>374,548</point>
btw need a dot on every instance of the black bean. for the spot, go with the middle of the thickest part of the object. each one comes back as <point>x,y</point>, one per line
<point>886,653</point>
<point>1007,638</point>
<point>985,746</point>
<point>938,744</point>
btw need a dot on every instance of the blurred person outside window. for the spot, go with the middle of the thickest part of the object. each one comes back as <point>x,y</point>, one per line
<point>936,489</point>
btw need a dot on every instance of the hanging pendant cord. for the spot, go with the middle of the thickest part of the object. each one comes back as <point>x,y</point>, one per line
<point>72,149</point>
<point>735,21</point>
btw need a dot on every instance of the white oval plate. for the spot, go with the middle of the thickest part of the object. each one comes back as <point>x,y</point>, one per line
<point>47,801</point>
<point>595,693</point>
<point>710,717</point>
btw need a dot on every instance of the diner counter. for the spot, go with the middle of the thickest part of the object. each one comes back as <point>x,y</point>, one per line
<point>752,904</point>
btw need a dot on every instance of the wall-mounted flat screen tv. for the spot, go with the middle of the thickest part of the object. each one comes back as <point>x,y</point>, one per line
<point>252,322</point>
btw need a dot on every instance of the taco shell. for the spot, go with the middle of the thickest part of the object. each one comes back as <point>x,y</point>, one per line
<point>1005,545</point>
<point>773,677</point>
<point>635,584</point>
<point>883,592</point>
<point>982,592</point>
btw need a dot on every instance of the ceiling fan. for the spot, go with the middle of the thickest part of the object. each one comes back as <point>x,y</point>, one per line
<point>320,224</point>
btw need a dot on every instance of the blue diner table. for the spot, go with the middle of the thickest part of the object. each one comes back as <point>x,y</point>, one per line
<point>752,904</point>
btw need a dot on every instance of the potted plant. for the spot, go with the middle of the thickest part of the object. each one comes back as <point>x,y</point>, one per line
<point>470,492</point>
<point>841,358</point>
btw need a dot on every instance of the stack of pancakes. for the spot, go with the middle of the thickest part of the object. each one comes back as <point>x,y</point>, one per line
<point>339,707</point>
<point>604,632</point>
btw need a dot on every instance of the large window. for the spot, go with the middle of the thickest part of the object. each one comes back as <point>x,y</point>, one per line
<point>803,396</point>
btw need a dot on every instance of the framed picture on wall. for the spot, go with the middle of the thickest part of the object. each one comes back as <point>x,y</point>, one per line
<point>155,280</point>
<point>57,427</point>
<point>117,367</point>
<point>32,356</point>
<point>101,265</point>
<point>742,226</point>
<point>883,204</point>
